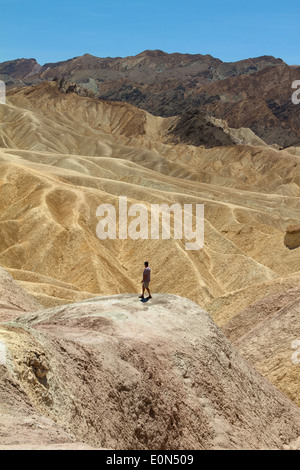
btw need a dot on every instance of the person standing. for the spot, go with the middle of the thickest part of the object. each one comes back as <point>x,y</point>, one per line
<point>146,281</point>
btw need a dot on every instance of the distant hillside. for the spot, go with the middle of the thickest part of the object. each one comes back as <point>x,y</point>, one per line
<point>252,93</point>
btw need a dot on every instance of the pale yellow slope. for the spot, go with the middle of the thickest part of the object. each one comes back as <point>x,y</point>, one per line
<point>267,334</point>
<point>64,155</point>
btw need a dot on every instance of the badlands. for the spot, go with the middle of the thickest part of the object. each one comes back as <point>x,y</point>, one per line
<point>207,363</point>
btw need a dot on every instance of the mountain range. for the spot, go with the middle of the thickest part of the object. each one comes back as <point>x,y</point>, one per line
<point>252,93</point>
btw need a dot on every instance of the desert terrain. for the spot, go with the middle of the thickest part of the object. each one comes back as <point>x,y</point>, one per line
<point>207,362</point>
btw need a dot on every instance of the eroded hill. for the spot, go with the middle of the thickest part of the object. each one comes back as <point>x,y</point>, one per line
<point>115,373</point>
<point>62,155</point>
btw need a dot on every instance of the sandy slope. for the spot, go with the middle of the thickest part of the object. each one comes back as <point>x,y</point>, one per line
<point>265,333</point>
<point>13,299</point>
<point>63,155</point>
<point>252,93</point>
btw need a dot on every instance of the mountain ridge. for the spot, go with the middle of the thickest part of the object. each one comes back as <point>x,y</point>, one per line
<point>253,93</point>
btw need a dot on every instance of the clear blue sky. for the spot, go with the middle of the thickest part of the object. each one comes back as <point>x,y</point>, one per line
<point>231,30</point>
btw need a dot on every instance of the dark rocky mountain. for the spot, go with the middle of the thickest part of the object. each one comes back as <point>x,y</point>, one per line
<point>150,67</point>
<point>194,128</point>
<point>253,93</point>
<point>18,72</point>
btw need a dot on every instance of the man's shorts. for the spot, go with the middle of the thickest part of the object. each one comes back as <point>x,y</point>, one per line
<point>146,284</point>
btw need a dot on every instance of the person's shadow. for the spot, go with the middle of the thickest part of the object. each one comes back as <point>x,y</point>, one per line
<point>145,299</point>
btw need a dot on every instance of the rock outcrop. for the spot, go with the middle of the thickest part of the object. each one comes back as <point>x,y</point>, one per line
<point>292,237</point>
<point>113,372</point>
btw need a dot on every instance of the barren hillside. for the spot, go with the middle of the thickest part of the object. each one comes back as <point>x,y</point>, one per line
<point>62,155</point>
<point>253,93</point>
<point>267,334</point>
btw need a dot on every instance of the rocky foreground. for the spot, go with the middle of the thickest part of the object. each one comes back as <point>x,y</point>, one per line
<point>113,372</point>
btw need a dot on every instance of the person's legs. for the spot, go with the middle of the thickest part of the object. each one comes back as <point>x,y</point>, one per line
<point>145,286</point>
<point>142,296</point>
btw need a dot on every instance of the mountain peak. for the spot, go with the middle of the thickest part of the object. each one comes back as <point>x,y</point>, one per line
<point>153,53</point>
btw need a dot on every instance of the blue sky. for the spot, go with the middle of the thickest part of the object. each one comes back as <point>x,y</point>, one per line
<point>231,30</point>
